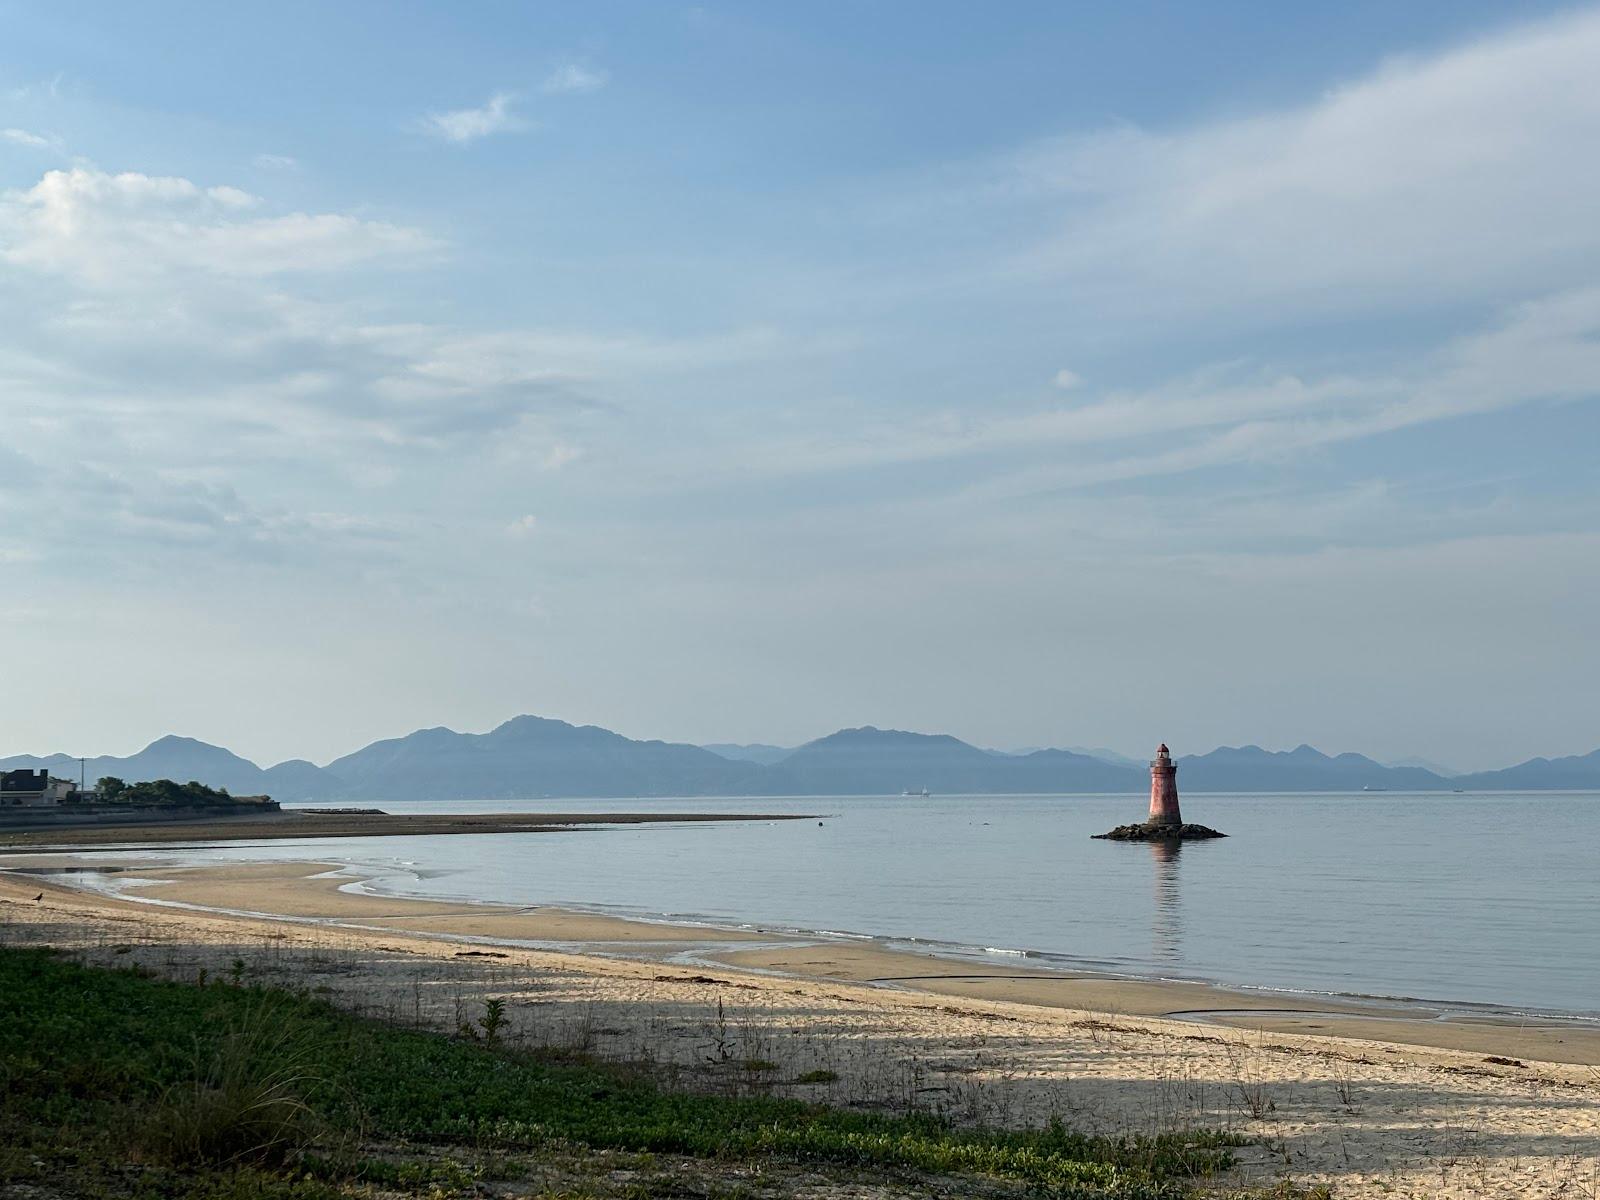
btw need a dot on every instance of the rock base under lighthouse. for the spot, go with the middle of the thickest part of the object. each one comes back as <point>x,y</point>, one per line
<point>1160,833</point>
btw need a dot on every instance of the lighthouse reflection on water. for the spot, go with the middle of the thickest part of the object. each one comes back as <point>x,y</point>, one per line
<point>1166,926</point>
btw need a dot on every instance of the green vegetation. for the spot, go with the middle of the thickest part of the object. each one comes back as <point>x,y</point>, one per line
<point>161,793</point>
<point>116,1083</point>
<point>818,1076</point>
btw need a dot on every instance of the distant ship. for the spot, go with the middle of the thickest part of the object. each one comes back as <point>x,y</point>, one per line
<point>909,792</point>
<point>1370,788</point>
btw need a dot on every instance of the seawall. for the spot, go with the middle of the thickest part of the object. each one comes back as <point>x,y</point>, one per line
<point>72,816</point>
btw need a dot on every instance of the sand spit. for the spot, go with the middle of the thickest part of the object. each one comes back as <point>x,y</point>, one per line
<point>1370,1117</point>
<point>294,824</point>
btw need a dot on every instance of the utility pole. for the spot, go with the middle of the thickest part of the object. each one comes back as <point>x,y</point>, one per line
<point>81,763</point>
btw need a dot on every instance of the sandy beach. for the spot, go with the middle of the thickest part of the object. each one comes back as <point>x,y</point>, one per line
<point>1376,1103</point>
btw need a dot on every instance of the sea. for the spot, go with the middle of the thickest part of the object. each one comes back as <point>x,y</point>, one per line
<point>1476,902</point>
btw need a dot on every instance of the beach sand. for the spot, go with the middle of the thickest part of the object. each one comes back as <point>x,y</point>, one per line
<point>1391,1107</point>
<point>1420,1026</point>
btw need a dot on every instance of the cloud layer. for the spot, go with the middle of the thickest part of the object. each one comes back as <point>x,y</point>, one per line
<point>1430,181</point>
<point>745,413</point>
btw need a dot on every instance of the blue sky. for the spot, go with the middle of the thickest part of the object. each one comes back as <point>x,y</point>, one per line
<point>1074,375</point>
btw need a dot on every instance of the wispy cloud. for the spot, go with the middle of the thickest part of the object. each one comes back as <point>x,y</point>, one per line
<point>276,162</point>
<point>574,77</point>
<point>1428,182</point>
<point>139,309</point>
<point>463,125</point>
<point>1430,179</point>
<point>33,141</point>
<point>1226,415</point>
<point>116,230</point>
<point>132,510</point>
<point>44,89</point>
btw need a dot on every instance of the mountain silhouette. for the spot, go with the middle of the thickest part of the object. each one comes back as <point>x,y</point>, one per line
<point>529,757</point>
<point>1576,772</point>
<point>870,761</point>
<point>755,752</point>
<point>183,759</point>
<point>1303,769</point>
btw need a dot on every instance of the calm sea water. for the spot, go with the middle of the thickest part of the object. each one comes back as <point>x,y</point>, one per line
<point>1468,899</point>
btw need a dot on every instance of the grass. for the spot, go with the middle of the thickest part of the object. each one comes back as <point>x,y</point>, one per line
<point>116,1083</point>
<point>818,1076</point>
<point>240,1101</point>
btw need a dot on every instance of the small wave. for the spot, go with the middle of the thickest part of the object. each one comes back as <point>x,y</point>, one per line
<point>1010,953</point>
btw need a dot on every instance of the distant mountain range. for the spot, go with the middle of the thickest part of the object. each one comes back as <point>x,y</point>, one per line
<point>755,752</point>
<point>183,759</point>
<point>530,757</point>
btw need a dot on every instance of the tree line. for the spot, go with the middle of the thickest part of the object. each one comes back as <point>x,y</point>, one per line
<point>160,793</point>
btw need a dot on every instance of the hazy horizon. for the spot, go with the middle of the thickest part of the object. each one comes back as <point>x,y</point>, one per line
<point>1133,757</point>
<point>1044,376</point>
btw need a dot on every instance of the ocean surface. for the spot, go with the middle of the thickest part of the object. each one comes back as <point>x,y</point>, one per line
<point>1488,900</point>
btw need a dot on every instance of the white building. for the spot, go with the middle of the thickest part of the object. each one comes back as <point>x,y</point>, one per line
<point>33,789</point>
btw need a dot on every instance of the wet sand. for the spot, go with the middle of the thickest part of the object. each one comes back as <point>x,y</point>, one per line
<point>316,891</point>
<point>293,824</point>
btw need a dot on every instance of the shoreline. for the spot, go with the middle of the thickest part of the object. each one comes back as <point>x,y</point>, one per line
<point>294,823</point>
<point>676,928</point>
<point>340,896</point>
<point>1369,1116</point>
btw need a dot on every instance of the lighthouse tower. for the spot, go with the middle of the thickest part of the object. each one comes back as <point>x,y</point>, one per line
<point>1164,789</point>
<point>1165,823</point>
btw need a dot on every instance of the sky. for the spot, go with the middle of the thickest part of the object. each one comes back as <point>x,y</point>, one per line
<point>1043,374</point>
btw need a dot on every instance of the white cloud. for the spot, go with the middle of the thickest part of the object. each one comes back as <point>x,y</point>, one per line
<point>153,314</point>
<point>1545,351</point>
<point>465,125</point>
<point>33,141</point>
<point>276,162</point>
<point>1542,352</point>
<point>574,78</point>
<point>232,197</point>
<point>1432,180</point>
<point>112,230</point>
<point>523,526</point>
<point>1066,380</point>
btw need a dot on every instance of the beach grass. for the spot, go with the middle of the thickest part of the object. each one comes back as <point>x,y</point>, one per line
<point>118,1083</point>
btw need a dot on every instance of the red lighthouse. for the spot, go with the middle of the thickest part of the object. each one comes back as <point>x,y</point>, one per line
<point>1165,823</point>
<point>1164,789</point>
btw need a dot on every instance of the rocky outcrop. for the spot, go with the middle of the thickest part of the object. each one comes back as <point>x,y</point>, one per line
<point>1146,832</point>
